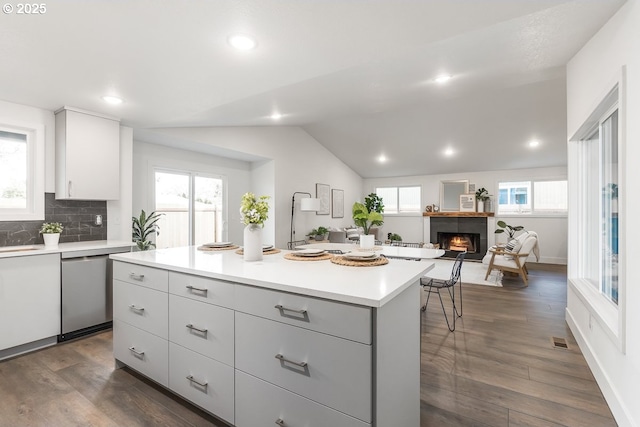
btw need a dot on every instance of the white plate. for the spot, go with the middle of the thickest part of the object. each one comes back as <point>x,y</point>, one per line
<point>309,252</point>
<point>267,247</point>
<point>361,256</point>
<point>217,244</point>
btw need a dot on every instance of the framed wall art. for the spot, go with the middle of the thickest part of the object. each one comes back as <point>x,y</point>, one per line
<point>322,193</point>
<point>337,203</point>
<point>467,203</point>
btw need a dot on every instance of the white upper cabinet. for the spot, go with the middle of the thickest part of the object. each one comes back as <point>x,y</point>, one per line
<point>87,156</point>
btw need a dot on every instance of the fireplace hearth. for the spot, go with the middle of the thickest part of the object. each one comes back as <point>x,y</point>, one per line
<point>459,242</point>
<point>456,234</point>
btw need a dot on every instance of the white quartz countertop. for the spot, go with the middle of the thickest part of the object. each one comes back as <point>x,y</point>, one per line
<point>371,286</point>
<point>14,251</point>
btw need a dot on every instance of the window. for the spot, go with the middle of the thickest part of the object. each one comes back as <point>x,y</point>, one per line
<point>599,208</point>
<point>399,200</point>
<point>21,173</point>
<point>532,197</point>
<point>192,205</point>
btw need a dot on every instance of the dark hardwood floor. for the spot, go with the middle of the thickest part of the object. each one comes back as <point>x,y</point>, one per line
<point>498,369</point>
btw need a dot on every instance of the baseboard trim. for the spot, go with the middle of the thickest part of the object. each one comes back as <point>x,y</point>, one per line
<point>618,409</point>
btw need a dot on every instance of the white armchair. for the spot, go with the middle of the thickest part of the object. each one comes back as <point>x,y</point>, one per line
<point>513,260</point>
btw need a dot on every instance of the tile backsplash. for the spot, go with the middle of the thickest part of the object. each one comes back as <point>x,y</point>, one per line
<point>76,216</point>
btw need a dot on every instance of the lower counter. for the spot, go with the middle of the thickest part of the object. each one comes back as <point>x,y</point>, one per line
<point>253,356</point>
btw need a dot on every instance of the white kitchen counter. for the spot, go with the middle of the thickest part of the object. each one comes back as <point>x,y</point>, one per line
<point>369,286</point>
<point>26,250</point>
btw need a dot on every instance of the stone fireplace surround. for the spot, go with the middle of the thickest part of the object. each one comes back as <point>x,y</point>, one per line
<point>460,222</point>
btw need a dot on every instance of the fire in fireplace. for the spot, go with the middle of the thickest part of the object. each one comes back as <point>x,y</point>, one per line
<point>459,242</point>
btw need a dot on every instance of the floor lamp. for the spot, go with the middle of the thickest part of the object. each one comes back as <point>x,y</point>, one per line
<point>308,204</point>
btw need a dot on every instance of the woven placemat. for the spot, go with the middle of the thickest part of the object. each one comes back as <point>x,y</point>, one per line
<point>269,252</point>
<point>375,248</point>
<point>226,248</point>
<point>358,263</point>
<point>293,257</point>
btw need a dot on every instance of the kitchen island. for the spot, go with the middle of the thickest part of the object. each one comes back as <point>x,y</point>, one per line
<point>275,341</point>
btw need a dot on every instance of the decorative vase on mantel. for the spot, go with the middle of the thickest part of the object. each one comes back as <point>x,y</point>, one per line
<point>252,250</point>
<point>480,205</point>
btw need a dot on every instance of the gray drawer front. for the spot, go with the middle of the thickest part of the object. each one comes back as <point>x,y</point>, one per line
<point>342,320</point>
<point>337,372</point>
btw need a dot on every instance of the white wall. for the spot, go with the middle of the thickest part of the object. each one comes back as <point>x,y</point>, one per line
<point>148,156</point>
<point>119,211</point>
<point>552,231</point>
<point>589,77</point>
<point>299,162</point>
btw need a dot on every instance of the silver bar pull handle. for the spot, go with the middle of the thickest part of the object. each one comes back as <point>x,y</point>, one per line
<point>193,380</point>
<point>136,308</point>
<point>194,289</point>
<point>138,353</point>
<point>135,276</point>
<point>69,188</point>
<point>284,359</point>
<point>203,331</point>
<point>293,310</point>
<point>280,422</point>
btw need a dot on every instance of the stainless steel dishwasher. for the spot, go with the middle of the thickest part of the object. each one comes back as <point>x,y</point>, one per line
<point>87,291</point>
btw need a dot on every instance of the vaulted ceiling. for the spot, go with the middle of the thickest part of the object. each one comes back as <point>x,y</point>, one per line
<point>357,75</point>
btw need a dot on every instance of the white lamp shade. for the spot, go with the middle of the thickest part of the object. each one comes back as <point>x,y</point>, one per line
<point>309,204</point>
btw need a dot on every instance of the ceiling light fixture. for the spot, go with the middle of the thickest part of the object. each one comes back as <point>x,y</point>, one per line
<point>242,42</point>
<point>382,158</point>
<point>443,78</point>
<point>113,100</point>
<point>449,152</point>
<point>534,144</point>
<point>276,116</point>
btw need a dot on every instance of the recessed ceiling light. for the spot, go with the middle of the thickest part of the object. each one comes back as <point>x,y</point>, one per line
<point>113,100</point>
<point>276,116</point>
<point>449,152</point>
<point>382,158</point>
<point>443,78</point>
<point>242,42</point>
<point>534,144</point>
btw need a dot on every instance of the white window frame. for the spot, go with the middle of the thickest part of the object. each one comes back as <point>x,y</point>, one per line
<point>610,316</point>
<point>533,212</point>
<point>35,172</point>
<point>417,212</point>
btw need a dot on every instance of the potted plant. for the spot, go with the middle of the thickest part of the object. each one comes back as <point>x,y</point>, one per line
<point>254,211</point>
<point>367,215</point>
<point>318,233</point>
<point>143,227</point>
<point>503,227</point>
<point>482,195</point>
<point>51,233</point>
<point>393,237</point>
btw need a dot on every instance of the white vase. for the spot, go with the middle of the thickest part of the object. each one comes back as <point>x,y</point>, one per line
<point>480,205</point>
<point>51,239</point>
<point>252,250</point>
<point>367,241</point>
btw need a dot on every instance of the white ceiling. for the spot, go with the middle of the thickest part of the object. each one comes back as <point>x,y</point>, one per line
<point>355,74</point>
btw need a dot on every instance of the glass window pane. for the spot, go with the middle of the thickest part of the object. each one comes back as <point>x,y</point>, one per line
<point>550,196</point>
<point>172,199</point>
<point>409,199</point>
<point>13,170</point>
<point>514,198</point>
<point>609,186</point>
<point>208,198</point>
<point>389,199</point>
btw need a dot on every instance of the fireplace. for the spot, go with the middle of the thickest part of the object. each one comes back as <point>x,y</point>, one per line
<point>471,233</point>
<point>459,242</point>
